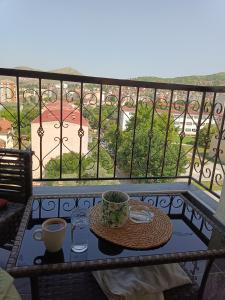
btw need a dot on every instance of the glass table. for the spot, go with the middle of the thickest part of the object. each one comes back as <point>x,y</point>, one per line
<point>196,236</point>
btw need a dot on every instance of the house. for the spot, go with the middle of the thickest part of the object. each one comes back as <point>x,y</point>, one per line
<point>6,132</point>
<point>50,137</point>
<point>7,91</point>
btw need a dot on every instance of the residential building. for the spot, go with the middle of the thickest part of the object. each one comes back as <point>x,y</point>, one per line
<point>191,121</point>
<point>7,91</point>
<point>190,125</point>
<point>47,134</point>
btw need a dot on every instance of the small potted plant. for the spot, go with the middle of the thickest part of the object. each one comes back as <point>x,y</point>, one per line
<point>115,208</point>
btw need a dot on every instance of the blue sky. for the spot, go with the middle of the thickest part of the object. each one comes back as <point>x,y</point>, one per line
<point>119,38</point>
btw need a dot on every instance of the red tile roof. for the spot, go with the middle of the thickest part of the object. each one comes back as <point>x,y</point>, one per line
<point>52,112</point>
<point>128,109</point>
<point>5,125</point>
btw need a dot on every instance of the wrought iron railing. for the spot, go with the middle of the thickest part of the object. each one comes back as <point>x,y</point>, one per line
<point>90,128</point>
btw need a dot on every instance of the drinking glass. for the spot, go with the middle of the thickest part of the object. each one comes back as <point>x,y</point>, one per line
<point>140,214</point>
<point>79,230</point>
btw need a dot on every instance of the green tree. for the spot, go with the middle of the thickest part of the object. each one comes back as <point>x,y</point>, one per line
<point>27,115</point>
<point>154,141</point>
<point>70,165</point>
<point>204,137</point>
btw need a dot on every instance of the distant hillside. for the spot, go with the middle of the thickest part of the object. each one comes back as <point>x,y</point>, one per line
<point>26,68</point>
<point>66,70</point>
<point>213,79</point>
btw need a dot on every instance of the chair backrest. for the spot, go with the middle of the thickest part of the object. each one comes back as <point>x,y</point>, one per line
<point>16,174</point>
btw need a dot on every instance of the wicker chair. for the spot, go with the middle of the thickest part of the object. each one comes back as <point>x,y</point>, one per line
<point>16,187</point>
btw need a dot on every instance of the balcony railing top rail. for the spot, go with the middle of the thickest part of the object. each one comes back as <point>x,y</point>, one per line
<point>92,128</point>
<point>108,81</point>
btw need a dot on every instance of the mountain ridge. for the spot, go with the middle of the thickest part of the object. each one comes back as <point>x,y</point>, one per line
<point>211,79</point>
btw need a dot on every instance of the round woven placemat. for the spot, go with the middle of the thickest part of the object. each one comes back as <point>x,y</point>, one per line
<point>133,235</point>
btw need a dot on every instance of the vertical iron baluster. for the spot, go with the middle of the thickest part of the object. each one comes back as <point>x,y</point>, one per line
<point>183,209</point>
<point>40,208</point>
<point>133,141</point>
<point>18,110</point>
<point>167,132</point>
<point>196,137</point>
<point>183,126</point>
<point>151,133</point>
<point>117,133</point>
<point>171,204</point>
<point>40,126</point>
<point>61,124</point>
<point>59,202</point>
<point>80,129</point>
<point>99,129</point>
<point>207,136</point>
<point>218,149</point>
<point>202,223</point>
<point>205,278</point>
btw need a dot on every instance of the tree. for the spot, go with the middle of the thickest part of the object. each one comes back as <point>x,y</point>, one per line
<point>27,115</point>
<point>70,165</point>
<point>155,140</point>
<point>204,137</point>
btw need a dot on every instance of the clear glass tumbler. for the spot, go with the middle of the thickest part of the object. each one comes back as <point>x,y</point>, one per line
<point>79,230</point>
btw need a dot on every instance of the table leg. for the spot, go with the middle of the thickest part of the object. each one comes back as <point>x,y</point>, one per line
<point>34,288</point>
<point>204,278</point>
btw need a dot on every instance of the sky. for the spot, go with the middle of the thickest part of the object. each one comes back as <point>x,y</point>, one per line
<point>118,39</point>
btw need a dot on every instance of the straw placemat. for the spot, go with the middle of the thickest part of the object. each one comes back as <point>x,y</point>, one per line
<point>133,235</point>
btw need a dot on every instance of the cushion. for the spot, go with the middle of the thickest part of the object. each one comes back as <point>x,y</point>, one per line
<point>140,283</point>
<point>7,288</point>
<point>3,203</point>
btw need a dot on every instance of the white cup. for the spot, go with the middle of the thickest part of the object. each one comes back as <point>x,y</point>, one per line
<point>52,234</point>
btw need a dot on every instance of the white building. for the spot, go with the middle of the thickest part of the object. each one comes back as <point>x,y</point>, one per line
<point>125,114</point>
<point>190,125</point>
<point>191,121</point>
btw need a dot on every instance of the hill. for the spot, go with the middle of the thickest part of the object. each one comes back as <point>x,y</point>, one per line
<point>211,80</point>
<point>66,70</point>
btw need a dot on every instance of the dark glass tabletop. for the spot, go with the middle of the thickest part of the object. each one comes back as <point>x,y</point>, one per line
<point>192,230</point>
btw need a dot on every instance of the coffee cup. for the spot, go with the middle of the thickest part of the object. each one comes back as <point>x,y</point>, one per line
<point>52,233</point>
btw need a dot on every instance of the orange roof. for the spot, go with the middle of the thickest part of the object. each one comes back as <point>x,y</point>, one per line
<point>52,112</point>
<point>5,125</point>
<point>128,109</point>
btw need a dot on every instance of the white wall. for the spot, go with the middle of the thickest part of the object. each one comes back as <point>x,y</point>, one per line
<point>51,142</point>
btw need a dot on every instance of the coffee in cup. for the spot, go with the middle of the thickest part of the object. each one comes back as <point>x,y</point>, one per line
<point>52,233</point>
